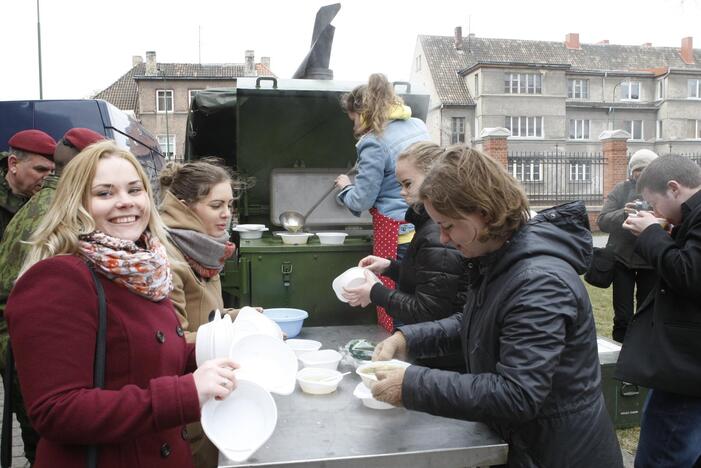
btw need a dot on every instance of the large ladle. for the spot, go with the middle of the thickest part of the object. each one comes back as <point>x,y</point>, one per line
<point>293,221</point>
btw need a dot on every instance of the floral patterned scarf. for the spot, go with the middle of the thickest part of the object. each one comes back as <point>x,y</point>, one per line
<point>144,271</point>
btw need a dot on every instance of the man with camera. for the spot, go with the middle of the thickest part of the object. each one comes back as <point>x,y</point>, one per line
<point>633,278</point>
<point>662,350</point>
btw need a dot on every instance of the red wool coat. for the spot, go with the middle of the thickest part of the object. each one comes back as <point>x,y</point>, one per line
<point>138,419</point>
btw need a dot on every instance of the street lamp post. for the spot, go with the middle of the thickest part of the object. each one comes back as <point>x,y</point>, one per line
<point>613,103</point>
<point>165,102</point>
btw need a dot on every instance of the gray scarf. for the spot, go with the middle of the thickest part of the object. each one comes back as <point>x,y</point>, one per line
<point>205,254</point>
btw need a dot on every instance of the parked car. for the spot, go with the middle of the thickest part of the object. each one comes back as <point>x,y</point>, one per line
<point>55,117</point>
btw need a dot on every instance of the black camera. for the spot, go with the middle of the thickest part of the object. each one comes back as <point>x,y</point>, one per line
<point>642,205</point>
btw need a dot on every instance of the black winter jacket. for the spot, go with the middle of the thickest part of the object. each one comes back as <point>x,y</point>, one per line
<point>662,349</point>
<point>528,338</point>
<point>431,277</point>
<point>621,242</point>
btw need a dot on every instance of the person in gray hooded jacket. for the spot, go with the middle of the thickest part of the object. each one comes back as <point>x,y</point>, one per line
<point>527,330</point>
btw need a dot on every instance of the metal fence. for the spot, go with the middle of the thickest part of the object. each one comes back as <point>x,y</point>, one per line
<point>696,157</point>
<point>551,178</point>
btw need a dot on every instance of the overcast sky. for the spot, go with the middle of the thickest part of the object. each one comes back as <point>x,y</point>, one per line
<point>88,44</point>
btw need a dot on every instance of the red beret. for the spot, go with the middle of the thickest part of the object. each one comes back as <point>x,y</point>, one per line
<point>34,141</point>
<point>81,138</point>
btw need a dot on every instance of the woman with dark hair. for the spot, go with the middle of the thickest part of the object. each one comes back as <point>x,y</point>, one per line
<point>197,208</point>
<point>431,276</point>
<point>384,128</point>
<point>526,332</point>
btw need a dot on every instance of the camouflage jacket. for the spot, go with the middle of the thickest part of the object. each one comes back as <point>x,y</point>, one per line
<point>9,202</point>
<point>22,226</point>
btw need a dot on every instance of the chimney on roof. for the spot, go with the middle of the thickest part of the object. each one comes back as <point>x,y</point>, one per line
<point>136,60</point>
<point>647,44</point>
<point>266,62</point>
<point>249,68</point>
<point>687,51</point>
<point>572,41</point>
<point>603,42</point>
<point>458,38</point>
<point>151,66</point>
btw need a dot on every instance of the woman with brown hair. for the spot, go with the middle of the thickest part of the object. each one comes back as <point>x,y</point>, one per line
<point>198,202</point>
<point>384,128</point>
<point>527,330</point>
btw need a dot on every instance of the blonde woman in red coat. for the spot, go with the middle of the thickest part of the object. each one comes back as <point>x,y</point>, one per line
<point>103,215</point>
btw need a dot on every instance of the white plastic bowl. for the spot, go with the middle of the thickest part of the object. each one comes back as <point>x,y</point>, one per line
<point>301,347</point>
<point>294,238</point>
<point>242,422</point>
<point>266,361</point>
<point>325,358</point>
<point>250,231</point>
<point>251,322</point>
<point>204,343</point>
<point>365,395</point>
<point>318,381</point>
<point>370,378</point>
<point>351,278</point>
<point>331,238</point>
<point>223,336</point>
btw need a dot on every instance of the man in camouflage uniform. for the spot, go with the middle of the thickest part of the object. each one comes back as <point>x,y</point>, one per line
<point>22,170</point>
<point>13,253</point>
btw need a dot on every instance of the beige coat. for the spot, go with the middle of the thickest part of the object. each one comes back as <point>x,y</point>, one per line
<point>193,298</point>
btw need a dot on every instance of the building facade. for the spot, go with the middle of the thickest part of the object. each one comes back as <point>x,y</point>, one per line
<point>560,96</point>
<point>159,94</point>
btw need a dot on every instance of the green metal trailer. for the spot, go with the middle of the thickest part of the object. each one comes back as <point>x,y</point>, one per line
<point>292,138</point>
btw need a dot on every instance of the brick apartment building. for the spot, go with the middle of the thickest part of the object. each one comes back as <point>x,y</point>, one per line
<point>159,94</point>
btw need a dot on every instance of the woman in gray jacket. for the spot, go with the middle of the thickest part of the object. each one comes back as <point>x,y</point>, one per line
<point>527,331</point>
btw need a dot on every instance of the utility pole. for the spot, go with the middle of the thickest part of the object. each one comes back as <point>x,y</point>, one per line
<point>41,90</point>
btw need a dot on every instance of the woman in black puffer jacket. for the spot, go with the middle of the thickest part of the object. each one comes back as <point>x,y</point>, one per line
<point>431,277</point>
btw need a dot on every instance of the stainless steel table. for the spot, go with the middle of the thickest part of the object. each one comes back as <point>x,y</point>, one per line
<point>337,431</point>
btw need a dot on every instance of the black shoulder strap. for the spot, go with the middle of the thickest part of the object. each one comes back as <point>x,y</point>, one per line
<point>100,352</point>
<point>6,441</point>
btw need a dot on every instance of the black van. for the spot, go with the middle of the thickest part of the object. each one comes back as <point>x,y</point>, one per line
<point>55,117</point>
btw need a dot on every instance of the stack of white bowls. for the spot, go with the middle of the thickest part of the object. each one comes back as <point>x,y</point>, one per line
<point>242,422</point>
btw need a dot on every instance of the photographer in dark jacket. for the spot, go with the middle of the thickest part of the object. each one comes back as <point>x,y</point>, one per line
<point>633,278</point>
<point>527,331</point>
<point>431,276</point>
<point>662,350</point>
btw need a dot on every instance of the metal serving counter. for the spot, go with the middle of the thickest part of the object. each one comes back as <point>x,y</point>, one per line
<point>337,431</point>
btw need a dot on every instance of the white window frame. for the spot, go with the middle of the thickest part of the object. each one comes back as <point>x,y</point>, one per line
<point>659,90</point>
<point>695,84</point>
<point>529,125</point>
<point>696,128</point>
<point>523,83</point>
<point>658,129</point>
<point>191,93</point>
<point>582,129</point>
<point>165,92</point>
<point>531,167</point>
<point>455,133</point>
<point>627,90</point>
<point>577,86</point>
<point>580,171</point>
<point>630,128</point>
<point>163,143</point>
<point>417,65</point>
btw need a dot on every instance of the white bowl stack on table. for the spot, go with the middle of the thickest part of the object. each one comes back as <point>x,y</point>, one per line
<point>242,422</point>
<point>250,231</point>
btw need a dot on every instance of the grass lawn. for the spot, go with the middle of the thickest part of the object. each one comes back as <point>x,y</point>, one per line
<point>603,316</point>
